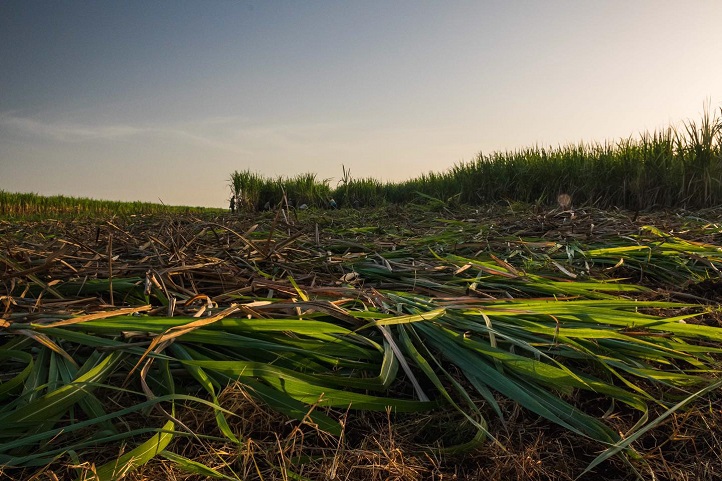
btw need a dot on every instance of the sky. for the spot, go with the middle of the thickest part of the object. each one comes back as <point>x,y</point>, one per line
<point>162,100</point>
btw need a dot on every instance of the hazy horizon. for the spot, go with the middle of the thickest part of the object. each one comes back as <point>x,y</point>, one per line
<point>163,100</point>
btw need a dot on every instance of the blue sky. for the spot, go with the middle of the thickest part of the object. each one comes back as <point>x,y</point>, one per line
<point>148,100</point>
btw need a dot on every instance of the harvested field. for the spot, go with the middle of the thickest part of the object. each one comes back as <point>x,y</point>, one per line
<point>407,343</point>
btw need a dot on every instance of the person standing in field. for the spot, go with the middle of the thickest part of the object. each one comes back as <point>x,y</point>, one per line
<point>232,205</point>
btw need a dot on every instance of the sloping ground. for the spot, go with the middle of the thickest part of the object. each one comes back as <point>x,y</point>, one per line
<point>501,342</point>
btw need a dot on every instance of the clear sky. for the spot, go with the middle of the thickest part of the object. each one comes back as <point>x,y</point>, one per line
<point>147,100</point>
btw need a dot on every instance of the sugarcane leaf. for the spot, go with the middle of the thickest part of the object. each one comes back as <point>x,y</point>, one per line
<point>193,467</point>
<point>14,383</point>
<point>625,443</point>
<point>135,458</point>
<point>58,400</point>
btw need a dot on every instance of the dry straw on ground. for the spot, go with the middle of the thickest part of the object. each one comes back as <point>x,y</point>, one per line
<point>323,265</point>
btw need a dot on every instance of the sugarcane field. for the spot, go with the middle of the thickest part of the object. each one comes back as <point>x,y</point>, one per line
<point>431,339</point>
<point>360,240</point>
<point>549,314</point>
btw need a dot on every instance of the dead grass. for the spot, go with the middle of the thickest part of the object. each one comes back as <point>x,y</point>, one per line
<point>378,446</point>
<point>384,446</point>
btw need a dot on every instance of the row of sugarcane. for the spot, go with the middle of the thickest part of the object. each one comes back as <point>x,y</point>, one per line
<point>675,167</point>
